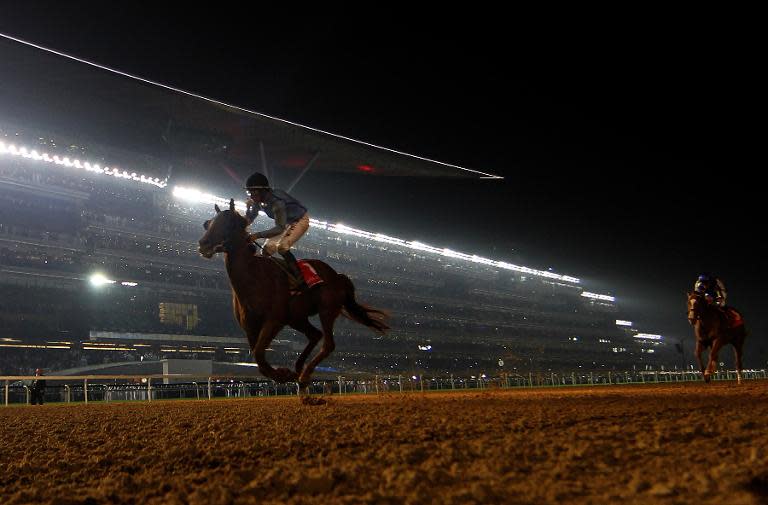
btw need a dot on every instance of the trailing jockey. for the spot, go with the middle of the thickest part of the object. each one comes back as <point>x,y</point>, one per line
<point>711,288</point>
<point>713,291</point>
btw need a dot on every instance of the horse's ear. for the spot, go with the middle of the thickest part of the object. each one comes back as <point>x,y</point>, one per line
<point>216,206</point>
<point>206,224</point>
<point>232,204</point>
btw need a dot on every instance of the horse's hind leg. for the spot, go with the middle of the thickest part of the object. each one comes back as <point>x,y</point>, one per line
<point>327,319</point>
<point>313,335</point>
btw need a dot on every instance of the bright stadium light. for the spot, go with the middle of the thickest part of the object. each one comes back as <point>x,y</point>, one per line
<point>619,322</point>
<point>99,279</point>
<point>648,336</point>
<point>595,296</point>
<point>196,196</point>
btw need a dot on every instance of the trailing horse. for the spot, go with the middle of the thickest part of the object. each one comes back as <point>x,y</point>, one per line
<point>264,304</point>
<point>715,327</point>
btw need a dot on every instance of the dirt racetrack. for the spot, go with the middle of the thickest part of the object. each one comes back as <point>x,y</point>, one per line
<point>686,443</point>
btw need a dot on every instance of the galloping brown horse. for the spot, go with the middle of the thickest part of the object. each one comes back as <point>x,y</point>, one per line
<point>713,329</point>
<point>263,302</point>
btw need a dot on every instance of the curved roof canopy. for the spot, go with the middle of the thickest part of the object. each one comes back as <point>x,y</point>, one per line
<point>48,91</point>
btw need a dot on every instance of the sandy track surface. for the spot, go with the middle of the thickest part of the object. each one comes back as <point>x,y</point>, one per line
<point>686,443</point>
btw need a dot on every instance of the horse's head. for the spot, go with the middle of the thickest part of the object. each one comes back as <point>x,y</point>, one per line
<point>222,230</point>
<point>696,304</point>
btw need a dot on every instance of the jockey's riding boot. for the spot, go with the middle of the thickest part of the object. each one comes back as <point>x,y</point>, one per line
<point>293,266</point>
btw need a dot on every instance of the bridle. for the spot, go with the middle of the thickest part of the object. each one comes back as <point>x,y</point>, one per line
<point>225,246</point>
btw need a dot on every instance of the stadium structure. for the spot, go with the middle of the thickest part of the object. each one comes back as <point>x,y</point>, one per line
<point>103,265</point>
<point>99,261</point>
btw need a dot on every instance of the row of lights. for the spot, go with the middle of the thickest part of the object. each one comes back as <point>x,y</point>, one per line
<point>32,154</point>
<point>199,197</point>
<point>196,196</point>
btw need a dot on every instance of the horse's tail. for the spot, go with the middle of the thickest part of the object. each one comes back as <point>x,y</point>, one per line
<point>363,314</point>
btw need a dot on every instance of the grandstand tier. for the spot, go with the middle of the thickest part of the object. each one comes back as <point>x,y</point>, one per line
<point>61,224</point>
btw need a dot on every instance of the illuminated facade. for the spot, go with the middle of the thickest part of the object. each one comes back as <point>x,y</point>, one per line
<point>101,263</point>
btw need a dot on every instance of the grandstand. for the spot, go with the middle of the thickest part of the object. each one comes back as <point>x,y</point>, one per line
<point>100,265</point>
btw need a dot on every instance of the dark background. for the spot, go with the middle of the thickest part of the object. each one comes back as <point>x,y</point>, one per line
<point>627,144</point>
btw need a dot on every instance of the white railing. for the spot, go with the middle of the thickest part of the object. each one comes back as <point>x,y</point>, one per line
<point>142,387</point>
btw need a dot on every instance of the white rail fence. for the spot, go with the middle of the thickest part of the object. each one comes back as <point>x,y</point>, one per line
<point>108,388</point>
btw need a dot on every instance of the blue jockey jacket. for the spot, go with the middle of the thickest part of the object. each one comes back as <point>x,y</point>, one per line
<point>281,207</point>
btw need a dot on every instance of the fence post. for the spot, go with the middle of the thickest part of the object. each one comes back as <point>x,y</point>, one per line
<point>453,386</point>
<point>609,377</point>
<point>209,388</point>
<point>26,390</point>
<point>6,392</point>
<point>530,379</point>
<point>149,389</point>
<point>340,391</point>
<point>400,382</point>
<point>421,382</point>
<point>377,384</point>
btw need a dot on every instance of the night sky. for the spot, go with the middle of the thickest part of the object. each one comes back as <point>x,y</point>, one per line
<point>624,151</point>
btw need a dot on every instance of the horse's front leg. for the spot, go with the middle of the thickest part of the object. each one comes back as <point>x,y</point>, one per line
<point>700,349</point>
<point>264,338</point>
<point>712,365</point>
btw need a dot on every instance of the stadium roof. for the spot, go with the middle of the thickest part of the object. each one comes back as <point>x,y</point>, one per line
<point>54,92</point>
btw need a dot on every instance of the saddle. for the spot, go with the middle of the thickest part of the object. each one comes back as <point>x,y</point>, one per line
<point>308,272</point>
<point>733,317</point>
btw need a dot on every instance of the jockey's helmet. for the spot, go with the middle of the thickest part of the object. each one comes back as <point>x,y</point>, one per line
<point>257,181</point>
<point>703,283</point>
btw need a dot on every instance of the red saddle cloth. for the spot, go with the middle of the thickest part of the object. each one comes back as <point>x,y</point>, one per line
<point>734,318</point>
<point>309,273</point>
